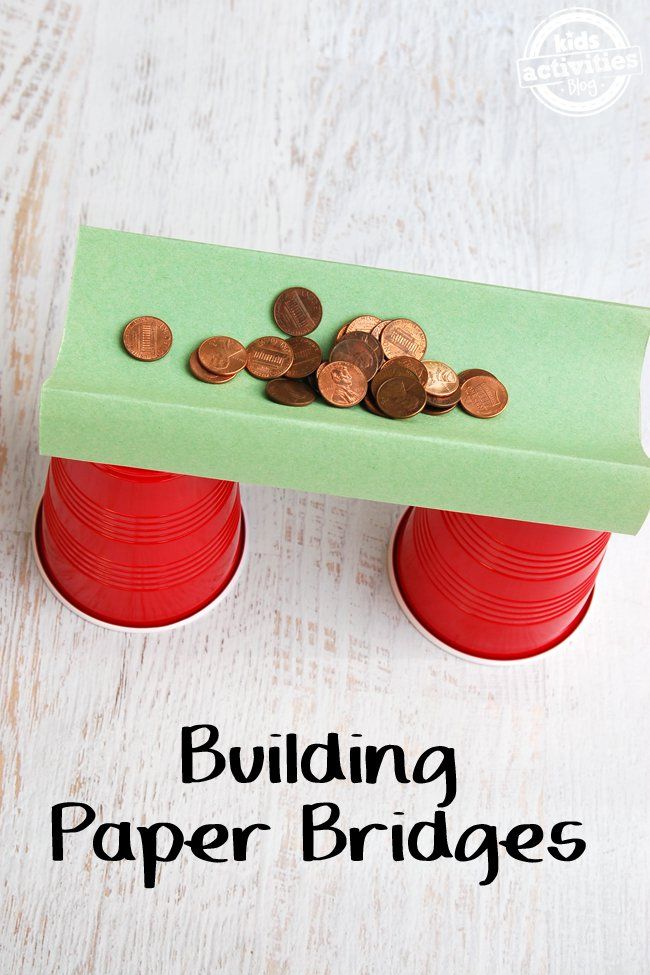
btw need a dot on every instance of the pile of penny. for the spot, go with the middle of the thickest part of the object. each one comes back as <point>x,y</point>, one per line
<point>374,362</point>
<point>381,365</point>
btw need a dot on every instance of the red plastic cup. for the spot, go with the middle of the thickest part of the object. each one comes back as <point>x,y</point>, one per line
<point>492,589</point>
<point>137,549</point>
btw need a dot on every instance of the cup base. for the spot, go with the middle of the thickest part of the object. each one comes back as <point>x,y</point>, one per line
<point>51,585</point>
<point>454,651</point>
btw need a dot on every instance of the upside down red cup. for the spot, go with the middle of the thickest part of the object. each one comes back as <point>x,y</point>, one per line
<point>493,589</point>
<point>137,549</point>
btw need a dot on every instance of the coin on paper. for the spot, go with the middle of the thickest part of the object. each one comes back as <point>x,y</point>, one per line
<point>297,311</point>
<point>147,338</point>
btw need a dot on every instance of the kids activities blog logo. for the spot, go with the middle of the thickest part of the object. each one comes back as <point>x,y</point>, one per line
<point>578,62</point>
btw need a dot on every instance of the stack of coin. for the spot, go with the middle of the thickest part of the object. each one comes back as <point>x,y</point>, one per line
<point>376,362</point>
<point>218,359</point>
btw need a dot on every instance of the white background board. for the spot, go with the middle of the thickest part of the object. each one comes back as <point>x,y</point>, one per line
<point>383,133</point>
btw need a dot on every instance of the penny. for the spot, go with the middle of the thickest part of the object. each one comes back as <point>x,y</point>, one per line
<point>438,410</point>
<point>401,397</point>
<point>470,373</point>
<point>290,392</point>
<point>451,399</point>
<point>268,357</point>
<point>204,374</point>
<point>342,384</point>
<point>341,332</point>
<point>370,405</point>
<point>297,311</point>
<point>408,362</point>
<point>147,338</point>
<point>368,339</point>
<point>379,327</point>
<point>483,396</point>
<point>403,337</point>
<point>364,323</point>
<point>389,371</point>
<point>358,352</point>
<point>307,357</point>
<point>373,344</point>
<point>222,355</point>
<point>442,381</point>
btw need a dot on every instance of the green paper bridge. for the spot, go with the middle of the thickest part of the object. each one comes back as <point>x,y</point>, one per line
<point>566,450</point>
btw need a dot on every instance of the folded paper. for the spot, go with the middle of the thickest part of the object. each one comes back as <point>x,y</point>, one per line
<point>565,451</point>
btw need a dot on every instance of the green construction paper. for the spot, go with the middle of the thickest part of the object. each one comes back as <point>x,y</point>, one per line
<point>565,451</point>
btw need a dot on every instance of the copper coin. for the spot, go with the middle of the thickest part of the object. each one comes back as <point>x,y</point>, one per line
<point>401,397</point>
<point>341,332</point>
<point>379,327</point>
<point>373,344</point>
<point>451,399</point>
<point>147,338</point>
<point>268,357</point>
<point>483,396</point>
<point>297,311</point>
<point>204,374</point>
<point>364,323</point>
<point>313,382</point>
<point>470,373</point>
<point>222,355</point>
<point>408,362</point>
<point>290,392</point>
<point>369,404</point>
<point>438,410</point>
<point>342,383</point>
<point>441,380</point>
<point>389,371</point>
<point>307,357</point>
<point>403,337</point>
<point>369,340</point>
<point>358,352</point>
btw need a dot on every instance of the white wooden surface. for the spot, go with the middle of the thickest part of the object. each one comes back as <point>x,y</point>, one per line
<point>387,133</point>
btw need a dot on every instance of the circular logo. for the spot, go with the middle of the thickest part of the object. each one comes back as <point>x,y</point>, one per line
<point>578,62</point>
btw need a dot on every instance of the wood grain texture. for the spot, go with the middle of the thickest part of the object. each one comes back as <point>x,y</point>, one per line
<point>390,134</point>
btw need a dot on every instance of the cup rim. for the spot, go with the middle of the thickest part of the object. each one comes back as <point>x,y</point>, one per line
<point>230,585</point>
